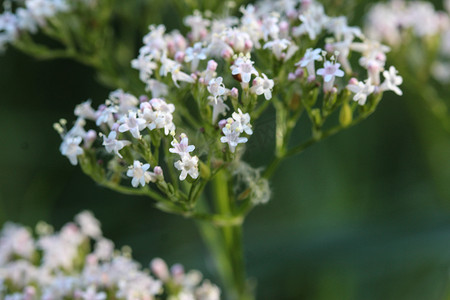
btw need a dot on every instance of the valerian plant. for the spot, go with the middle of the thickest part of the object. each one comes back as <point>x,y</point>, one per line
<point>78,262</point>
<point>182,142</point>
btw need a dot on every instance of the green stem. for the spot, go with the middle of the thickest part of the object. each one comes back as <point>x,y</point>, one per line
<point>225,242</point>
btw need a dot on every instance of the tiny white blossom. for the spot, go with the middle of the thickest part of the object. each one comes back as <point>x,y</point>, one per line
<point>216,87</point>
<point>194,55</point>
<point>308,61</point>
<point>85,111</point>
<point>264,86</point>
<point>242,122</point>
<point>139,173</point>
<point>392,81</point>
<point>182,147</point>
<point>219,107</point>
<point>277,46</point>
<point>70,147</point>
<point>329,72</point>
<point>244,66</point>
<point>112,144</point>
<point>89,225</point>
<point>361,90</point>
<point>231,135</point>
<point>188,165</point>
<point>132,124</point>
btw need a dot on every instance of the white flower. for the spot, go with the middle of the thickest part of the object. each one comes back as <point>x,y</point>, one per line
<point>125,101</point>
<point>216,87</point>
<point>219,107</point>
<point>182,147</point>
<point>70,147</point>
<point>194,55</point>
<point>158,114</point>
<point>187,165</point>
<point>308,60</point>
<point>313,21</point>
<point>244,66</point>
<point>207,291</point>
<point>242,122</point>
<point>231,135</point>
<point>392,81</point>
<point>105,114</point>
<point>85,111</point>
<point>157,88</point>
<point>198,25</point>
<point>15,240</point>
<point>270,27</point>
<point>277,46</point>
<point>104,249</point>
<point>132,124</point>
<point>361,90</point>
<point>112,144</point>
<point>329,72</point>
<point>89,225</point>
<point>140,174</point>
<point>264,86</point>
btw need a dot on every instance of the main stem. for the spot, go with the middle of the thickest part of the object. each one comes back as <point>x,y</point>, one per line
<point>225,243</point>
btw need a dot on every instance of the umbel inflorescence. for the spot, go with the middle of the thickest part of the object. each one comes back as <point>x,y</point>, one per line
<point>77,262</point>
<point>207,88</point>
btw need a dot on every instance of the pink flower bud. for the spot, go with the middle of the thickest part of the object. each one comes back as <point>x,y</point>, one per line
<point>329,48</point>
<point>89,139</point>
<point>145,105</point>
<point>159,268</point>
<point>222,123</point>
<point>143,98</point>
<point>158,172</point>
<point>179,56</point>
<point>299,72</point>
<point>227,53</point>
<point>212,65</point>
<point>248,45</point>
<point>234,92</point>
<point>177,271</point>
<point>291,76</point>
<point>284,26</point>
<point>115,127</point>
<point>353,81</point>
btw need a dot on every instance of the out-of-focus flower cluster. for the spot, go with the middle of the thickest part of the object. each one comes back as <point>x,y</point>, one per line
<point>22,17</point>
<point>79,263</point>
<point>213,82</point>
<point>399,23</point>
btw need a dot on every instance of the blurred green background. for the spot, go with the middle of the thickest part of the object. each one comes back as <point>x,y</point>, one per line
<point>362,215</point>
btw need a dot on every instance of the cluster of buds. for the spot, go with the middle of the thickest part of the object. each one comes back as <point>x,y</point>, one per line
<point>62,265</point>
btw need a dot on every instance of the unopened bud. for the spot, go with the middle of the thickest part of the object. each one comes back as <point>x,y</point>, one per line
<point>234,92</point>
<point>212,65</point>
<point>160,269</point>
<point>345,115</point>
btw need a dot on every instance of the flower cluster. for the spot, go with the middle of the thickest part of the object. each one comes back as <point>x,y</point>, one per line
<point>61,265</point>
<point>399,22</point>
<point>221,77</point>
<point>119,121</point>
<point>32,15</point>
